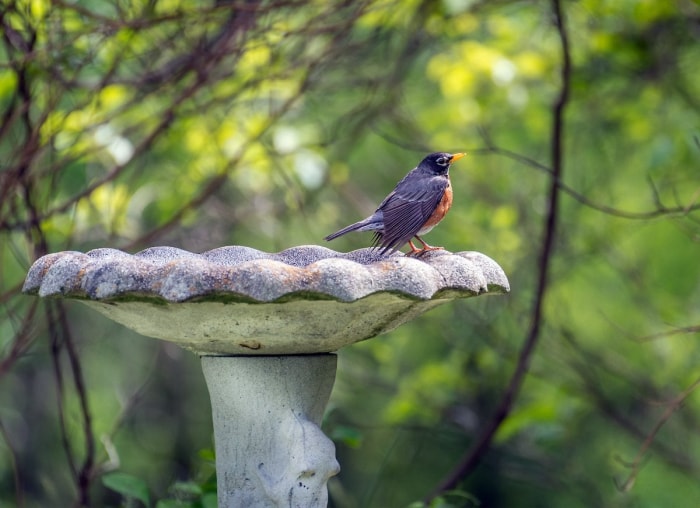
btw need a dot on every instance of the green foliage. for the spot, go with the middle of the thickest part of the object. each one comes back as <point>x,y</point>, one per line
<point>128,486</point>
<point>180,494</point>
<point>271,124</point>
<point>190,495</point>
<point>451,499</point>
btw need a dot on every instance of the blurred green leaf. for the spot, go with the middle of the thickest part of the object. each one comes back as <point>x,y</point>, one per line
<point>185,490</point>
<point>349,436</point>
<point>128,486</point>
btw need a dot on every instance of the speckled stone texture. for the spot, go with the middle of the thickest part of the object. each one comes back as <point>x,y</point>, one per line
<point>317,300</point>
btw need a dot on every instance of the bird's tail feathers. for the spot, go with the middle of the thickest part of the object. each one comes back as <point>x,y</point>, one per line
<point>384,245</point>
<point>363,225</point>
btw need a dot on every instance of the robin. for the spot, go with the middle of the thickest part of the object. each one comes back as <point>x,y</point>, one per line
<point>415,206</point>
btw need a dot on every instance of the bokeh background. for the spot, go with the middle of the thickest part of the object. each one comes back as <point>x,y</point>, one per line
<point>270,124</point>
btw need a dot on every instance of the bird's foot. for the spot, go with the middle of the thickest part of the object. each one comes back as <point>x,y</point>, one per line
<point>419,252</point>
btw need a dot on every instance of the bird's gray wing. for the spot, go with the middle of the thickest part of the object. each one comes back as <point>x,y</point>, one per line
<point>407,209</point>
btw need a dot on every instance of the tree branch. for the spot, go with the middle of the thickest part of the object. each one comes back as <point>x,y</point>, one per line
<point>660,210</point>
<point>473,456</point>
<point>671,408</point>
<point>60,338</point>
<point>19,491</point>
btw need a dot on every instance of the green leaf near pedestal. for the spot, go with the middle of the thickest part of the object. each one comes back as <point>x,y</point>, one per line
<point>128,486</point>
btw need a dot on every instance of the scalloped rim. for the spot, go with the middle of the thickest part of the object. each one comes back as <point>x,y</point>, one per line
<point>238,273</point>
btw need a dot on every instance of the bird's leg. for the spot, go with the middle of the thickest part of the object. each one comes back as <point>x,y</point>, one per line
<point>420,252</point>
<point>413,250</point>
<point>426,247</point>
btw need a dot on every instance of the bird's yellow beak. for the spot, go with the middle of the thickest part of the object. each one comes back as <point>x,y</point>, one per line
<point>456,157</point>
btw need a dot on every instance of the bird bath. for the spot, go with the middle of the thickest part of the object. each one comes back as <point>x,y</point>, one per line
<point>265,327</point>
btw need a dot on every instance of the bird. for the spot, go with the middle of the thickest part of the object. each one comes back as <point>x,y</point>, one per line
<point>415,206</point>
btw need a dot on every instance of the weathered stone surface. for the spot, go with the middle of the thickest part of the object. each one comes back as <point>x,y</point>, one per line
<point>175,275</point>
<point>317,300</point>
<point>267,412</point>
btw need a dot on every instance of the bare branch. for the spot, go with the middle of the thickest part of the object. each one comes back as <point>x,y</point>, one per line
<point>473,456</point>
<point>19,491</point>
<point>21,341</point>
<point>675,331</point>
<point>659,211</point>
<point>56,346</point>
<point>61,338</point>
<point>671,408</point>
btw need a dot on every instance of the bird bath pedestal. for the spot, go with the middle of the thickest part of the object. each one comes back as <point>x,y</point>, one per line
<point>265,327</point>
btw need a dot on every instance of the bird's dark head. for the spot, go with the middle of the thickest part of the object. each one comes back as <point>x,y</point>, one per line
<point>438,163</point>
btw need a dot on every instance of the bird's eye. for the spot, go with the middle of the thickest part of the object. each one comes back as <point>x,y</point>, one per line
<point>442,161</point>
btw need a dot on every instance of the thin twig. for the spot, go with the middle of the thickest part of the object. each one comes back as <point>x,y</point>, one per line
<point>56,346</point>
<point>85,473</point>
<point>675,331</point>
<point>671,408</point>
<point>659,211</point>
<point>19,491</point>
<point>590,368</point>
<point>21,341</point>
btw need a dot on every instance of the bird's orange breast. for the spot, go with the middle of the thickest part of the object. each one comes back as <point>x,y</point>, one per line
<point>440,210</point>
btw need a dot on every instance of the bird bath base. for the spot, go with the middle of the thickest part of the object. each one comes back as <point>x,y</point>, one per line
<point>277,403</point>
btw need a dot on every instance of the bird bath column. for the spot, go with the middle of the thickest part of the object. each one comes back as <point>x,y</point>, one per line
<point>265,326</point>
